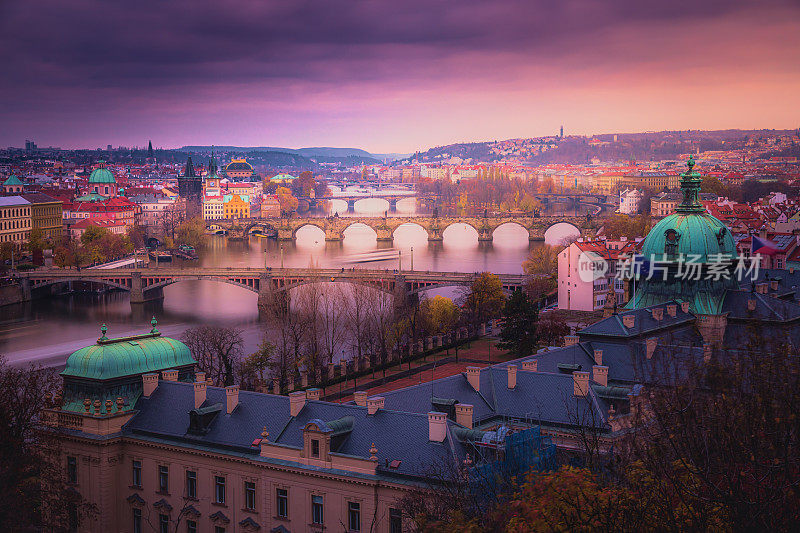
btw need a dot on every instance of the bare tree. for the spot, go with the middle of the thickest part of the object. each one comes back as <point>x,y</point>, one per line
<point>218,351</point>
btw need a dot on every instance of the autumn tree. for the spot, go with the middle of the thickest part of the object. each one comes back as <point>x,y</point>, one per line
<point>287,201</point>
<point>519,332</point>
<point>617,226</point>
<point>542,260</point>
<point>485,298</point>
<point>439,314</point>
<point>256,366</point>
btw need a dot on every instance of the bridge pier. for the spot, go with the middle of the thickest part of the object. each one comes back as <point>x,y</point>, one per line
<point>484,234</point>
<point>392,204</point>
<point>384,234</point>
<point>536,234</point>
<point>351,205</point>
<point>333,235</point>
<point>285,234</point>
<point>140,294</point>
<point>435,234</point>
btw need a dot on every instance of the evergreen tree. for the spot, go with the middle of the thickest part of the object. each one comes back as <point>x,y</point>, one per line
<point>520,317</point>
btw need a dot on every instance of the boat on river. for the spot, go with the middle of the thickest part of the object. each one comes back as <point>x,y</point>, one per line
<point>369,257</point>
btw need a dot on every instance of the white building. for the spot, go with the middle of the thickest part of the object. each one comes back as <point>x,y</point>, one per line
<point>157,210</point>
<point>581,290</point>
<point>629,201</point>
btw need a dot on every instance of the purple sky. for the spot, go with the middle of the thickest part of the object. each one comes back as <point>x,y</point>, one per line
<point>389,76</point>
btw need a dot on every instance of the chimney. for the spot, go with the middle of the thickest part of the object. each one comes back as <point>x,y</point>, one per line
<point>707,351</point>
<point>672,310</point>
<point>199,393</point>
<point>149,384</point>
<point>170,375</point>
<point>628,321</point>
<point>658,314</point>
<point>530,366</point>
<point>437,426</point>
<point>761,288</point>
<point>569,340</point>
<point>600,375</point>
<point>751,304</point>
<point>773,284</point>
<point>685,307</point>
<point>580,381</point>
<point>360,398</point>
<point>232,398</point>
<point>200,376</point>
<point>313,394</point>
<point>296,402</point>
<point>374,404</point>
<point>598,357</point>
<point>651,344</point>
<point>512,376</point>
<point>464,414</point>
<point>474,377</point>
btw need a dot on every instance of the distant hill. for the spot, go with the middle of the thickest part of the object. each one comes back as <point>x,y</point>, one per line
<point>311,152</point>
<point>648,146</point>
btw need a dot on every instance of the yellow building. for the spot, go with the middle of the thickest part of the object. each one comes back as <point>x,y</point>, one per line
<point>656,181</point>
<point>236,206</point>
<point>15,220</point>
<point>607,183</point>
<point>47,215</point>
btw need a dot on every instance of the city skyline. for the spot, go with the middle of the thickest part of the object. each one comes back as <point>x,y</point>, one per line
<point>387,77</point>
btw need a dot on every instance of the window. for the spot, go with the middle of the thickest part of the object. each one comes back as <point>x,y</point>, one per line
<point>395,520</point>
<point>191,484</point>
<point>163,523</point>
<point>137,521</point>
<point>191,526</point>
<point>282,502</point>
<point>72,469</point>
<point>249,495</point>
<point>219,489</point>
<point>219,529</point>
<point>314,448</point>
<point>163,478</point>
<point>354,516</point>
<point>316,510</point>
<point>136,473</point>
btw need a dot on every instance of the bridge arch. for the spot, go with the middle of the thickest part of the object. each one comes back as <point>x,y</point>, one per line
<point>557,233</point>
<point>165,283</point>
<point>358,224</point>
<point>387,286</point>
<point>306,224</point>
<point>408,225</point>
<point>57,281</point>
<point>515,227</point>
<point>452,225</point>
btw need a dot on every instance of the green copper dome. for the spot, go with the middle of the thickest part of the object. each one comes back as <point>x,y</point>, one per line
<point>13,180</point>
<point>127,356</point>
<point>691,235</point>
<point>101,175</point>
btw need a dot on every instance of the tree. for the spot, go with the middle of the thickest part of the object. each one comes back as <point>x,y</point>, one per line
<point>538,287</point>
<point>36,241</point>
<point>485,298</point>
<point>191,232</point>
<point>256,366</point>
<point>36,492</point>
<point>542,260</point>
<point>617,226</point>
<point>551,329</point>
<point>218,351</point>
<point>439,314</point>
<point>288,202</point>
<point>520,317</point>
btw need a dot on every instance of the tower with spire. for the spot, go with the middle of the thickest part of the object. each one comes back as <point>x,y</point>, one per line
<point>190,188</point>
<point>150,156</point>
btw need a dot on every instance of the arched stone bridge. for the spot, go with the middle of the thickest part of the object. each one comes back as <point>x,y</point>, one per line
<point>147,284</point>
<point>384,227</point>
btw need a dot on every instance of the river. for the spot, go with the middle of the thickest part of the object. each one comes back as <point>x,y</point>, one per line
<point>48,330</point>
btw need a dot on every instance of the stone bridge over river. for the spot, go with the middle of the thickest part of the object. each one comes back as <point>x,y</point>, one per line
<point>384,227</point>
<point>147,284</point>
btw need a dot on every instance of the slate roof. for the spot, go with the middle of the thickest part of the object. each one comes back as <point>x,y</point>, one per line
<point>398,436</point>
<point>644,323</point>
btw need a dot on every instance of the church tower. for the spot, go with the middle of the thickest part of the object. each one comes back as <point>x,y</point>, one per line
<point>190,188</point>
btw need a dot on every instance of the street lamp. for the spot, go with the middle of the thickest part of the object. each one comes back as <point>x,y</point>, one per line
<point>412,259</point>
<point>281,255</point>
